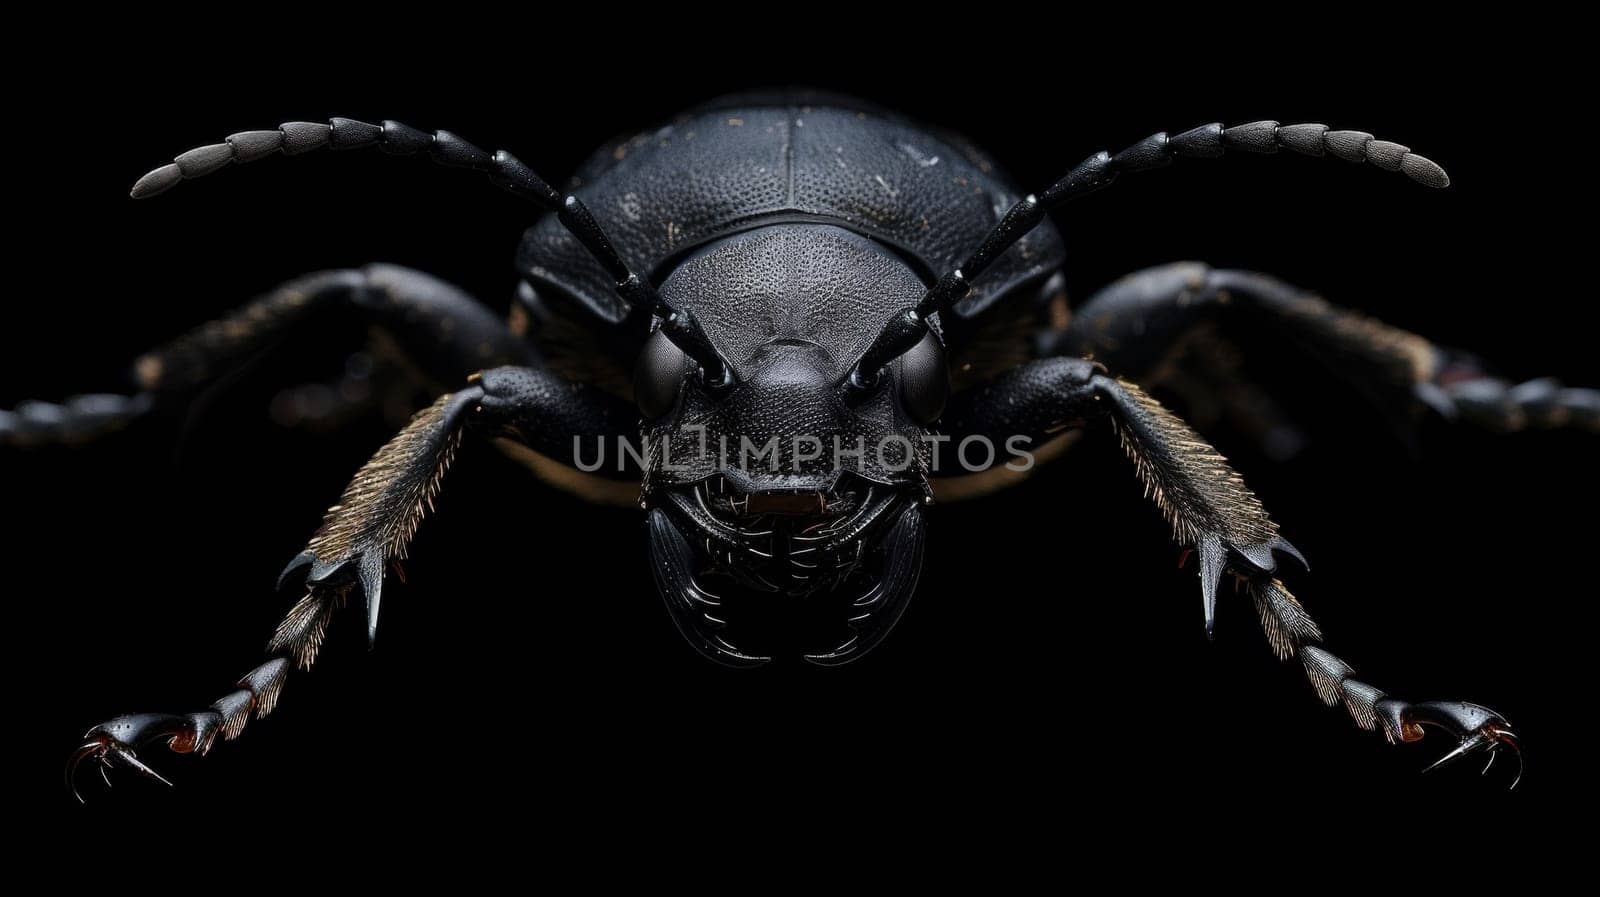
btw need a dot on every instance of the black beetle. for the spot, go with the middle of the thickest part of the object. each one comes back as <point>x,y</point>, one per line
<point>833,317</point>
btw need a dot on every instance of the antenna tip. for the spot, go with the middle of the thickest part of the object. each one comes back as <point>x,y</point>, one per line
<point>158,181</point>
<point>1424,171</point>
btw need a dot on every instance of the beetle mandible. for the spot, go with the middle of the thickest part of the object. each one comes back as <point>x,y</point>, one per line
<point>802,287</point>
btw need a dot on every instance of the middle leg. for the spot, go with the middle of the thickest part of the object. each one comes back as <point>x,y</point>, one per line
<point>442,333</point>
<point>1135,324</point>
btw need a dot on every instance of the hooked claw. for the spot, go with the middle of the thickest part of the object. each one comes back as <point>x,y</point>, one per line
<point>107,752</point>
<point>112,743</point>
<point>1490,739</point>
<point>1478,727</point>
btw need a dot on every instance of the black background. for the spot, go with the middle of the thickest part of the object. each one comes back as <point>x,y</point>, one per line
<point>1054,657</point>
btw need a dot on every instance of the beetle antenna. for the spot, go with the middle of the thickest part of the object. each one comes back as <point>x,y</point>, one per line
<point>907,328</point>
<point>504,170</point>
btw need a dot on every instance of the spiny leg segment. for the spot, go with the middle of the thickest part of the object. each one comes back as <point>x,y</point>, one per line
<point>369,528</point>
<point>1212,512</point>
<point>1207,503</point>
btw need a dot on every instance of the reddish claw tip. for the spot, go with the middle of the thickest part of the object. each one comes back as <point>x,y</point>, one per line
<point>1478,727</point>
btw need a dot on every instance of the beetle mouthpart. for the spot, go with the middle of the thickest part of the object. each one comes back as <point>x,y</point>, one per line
<point>794,541</point>
<point>880,608</point>
<point>693,609</point>
<point>790,504</point>
<point>867,538</point>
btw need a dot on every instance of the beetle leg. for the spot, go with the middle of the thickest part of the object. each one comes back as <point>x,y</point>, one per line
<point>378,377</point>
<point>378,513</point>
<point>374,519</point>
<point>77,420</point>
<point>1211,511</point>
<point>1204,499</point>
<point>1291,633</point>
<point>442,333</point>
<point>1137,324</point>
<point>1207,504</point>
<point>371,525</point>
<point>116,742</point>
<point>1463,391</point>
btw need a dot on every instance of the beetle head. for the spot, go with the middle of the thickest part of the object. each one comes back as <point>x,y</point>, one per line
<point>784,476</point>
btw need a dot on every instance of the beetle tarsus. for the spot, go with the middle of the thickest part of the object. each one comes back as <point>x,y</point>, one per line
<point>1460,391</point>
<point>1136,323</point>
<point>114,743</point>
<point>1291,632</point>
<point>1478,727</point>
<point>74,421</point>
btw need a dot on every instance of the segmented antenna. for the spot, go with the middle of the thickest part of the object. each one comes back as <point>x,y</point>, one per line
<point>503,169</point>
<point>1097,172</point>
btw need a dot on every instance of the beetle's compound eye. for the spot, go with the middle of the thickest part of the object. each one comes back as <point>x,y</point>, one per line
<point>924,380</point>
<point>658,375</point>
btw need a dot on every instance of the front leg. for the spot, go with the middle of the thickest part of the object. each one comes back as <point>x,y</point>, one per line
<point>1206,502</point>
<point>367,530</point>
<point>1213,513</point>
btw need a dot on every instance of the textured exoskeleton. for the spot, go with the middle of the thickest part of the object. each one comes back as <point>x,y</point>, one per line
<point>786,327</point>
